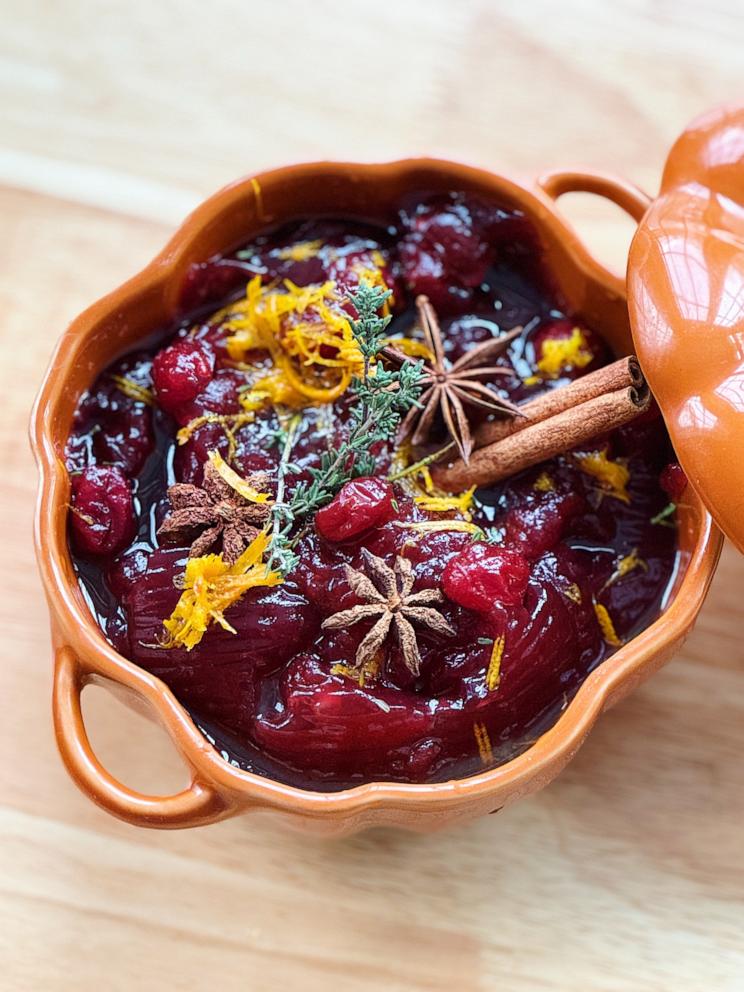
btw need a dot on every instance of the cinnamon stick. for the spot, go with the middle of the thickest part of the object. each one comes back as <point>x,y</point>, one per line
<point>626,372</point>
<point>553,423</point>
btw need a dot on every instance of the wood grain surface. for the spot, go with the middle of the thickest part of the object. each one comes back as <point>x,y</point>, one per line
<point>115,119</point>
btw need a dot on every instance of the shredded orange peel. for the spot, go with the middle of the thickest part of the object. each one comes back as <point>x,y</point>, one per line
<point>235,481</point>
<point>606,625</point>
<point>493,675</point>
<point>543,483</point>
<point>560,354</point>
<point>461,503</point>
<point>229,422</point>
<point>308,336</point>
<point>133,389</point>
<point>307,333</point>
<point>410,347</point>
<point>359,675</point>
<point>435,526</point>
<point>301,251</point>
<point>625,565</point>
<point>572,592</point>
<point>613,476</point>
<point>427,495</point>
<point>210,587</point>
<point>373,276</point>
<point>258,197</point>
<point>483,741</point>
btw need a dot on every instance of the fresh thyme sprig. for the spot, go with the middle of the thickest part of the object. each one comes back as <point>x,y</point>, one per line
<point>382,396</point>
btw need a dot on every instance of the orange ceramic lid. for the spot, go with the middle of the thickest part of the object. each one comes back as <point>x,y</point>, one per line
<point>686,301</point>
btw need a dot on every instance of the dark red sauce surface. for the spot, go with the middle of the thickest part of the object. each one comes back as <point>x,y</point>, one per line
<point>267,696</point>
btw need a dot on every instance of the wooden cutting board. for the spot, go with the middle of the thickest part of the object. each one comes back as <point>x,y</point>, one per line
<point>628,873</point>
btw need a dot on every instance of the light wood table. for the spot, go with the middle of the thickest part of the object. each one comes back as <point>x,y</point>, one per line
<point>627,873</point>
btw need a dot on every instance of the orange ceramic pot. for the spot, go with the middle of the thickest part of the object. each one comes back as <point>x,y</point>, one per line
<point>149,300</point>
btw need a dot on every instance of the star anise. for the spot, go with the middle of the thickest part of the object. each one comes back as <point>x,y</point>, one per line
<point>214,510</point>
<point>387,594</point>
<point>449,386</point>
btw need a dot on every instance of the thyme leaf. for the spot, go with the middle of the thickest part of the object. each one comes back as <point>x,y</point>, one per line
<point>663,517</point>
<point>381,397</point>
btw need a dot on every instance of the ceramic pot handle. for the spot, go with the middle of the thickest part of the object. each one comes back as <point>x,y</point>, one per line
<point>196,805</point>
<point>628,197</point>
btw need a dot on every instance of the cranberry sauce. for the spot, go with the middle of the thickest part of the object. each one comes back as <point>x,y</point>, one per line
<point>534,581</point>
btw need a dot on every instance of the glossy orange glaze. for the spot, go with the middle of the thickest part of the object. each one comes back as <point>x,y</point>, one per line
<point>686,302</point>
<point>117,322</point>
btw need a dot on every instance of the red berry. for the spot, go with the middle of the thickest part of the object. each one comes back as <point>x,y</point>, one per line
<point>103,513</point>
<point>221,395</point>
<point>483,576</point>
<point>350,269</point>
<point>208,282</point>
<point>673,480</point>
<point>110,427</point>
<point>360,505</point>
<point>180,372</point>
<point>444,255</point>
<point>534,526</point>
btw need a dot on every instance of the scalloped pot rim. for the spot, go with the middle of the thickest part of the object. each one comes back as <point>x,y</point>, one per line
<point>76,635</point>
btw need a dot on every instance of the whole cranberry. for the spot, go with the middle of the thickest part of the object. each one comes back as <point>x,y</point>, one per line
<point>208,282</point>
<point>673,480</point>
<point>537,523</point>
<point>221,395</point>
<point>180,372</point>
<point>102,520</point>
<point>110,426</point>
<point>348,270</point>
<point>444,254</point>
<point>359,505</point>
<point>483,576</point>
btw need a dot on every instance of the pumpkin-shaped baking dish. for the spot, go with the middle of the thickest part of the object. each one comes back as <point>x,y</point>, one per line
<point>151,299</point>
<point>686,285</point>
